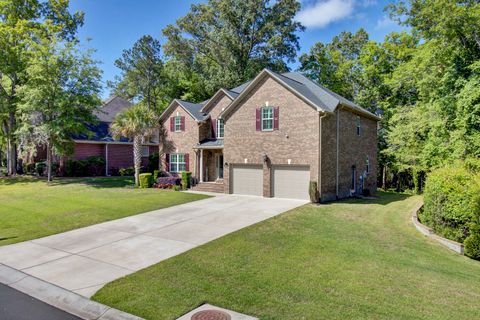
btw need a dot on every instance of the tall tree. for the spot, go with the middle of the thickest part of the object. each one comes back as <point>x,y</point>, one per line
<point>142,76</point>
<point>137,123</point>
<point>336,64</point>
<point>228,42</point>
<point>20,21</point>
<point>61,93</point>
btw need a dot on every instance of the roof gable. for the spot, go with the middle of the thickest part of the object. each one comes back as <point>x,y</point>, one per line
<point>113,106</point>
<point>217,97</point>
<point>317,96</point>
<point>193,109</point>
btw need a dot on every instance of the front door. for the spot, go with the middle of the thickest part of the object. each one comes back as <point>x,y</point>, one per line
<point>220,166</point>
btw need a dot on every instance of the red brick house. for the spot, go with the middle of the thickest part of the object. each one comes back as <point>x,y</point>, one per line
<point>117,153</point>
<point>271,137</point>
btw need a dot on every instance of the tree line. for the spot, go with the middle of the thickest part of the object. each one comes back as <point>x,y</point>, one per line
<point>424,81</point>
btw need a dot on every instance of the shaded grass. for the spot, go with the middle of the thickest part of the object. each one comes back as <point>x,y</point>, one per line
<point>356,259</point>
<point>30,208</point>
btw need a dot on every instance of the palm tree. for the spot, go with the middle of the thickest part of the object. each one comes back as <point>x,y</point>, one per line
<point>136,123</point>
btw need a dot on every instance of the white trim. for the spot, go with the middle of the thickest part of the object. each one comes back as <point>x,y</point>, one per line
<point>267,119</point>
<point>221,90</point>
<point>201,165</point>
<point>164,114</point>
<point>218,128</point>
<point>111,142</point>
<point>253,83</point>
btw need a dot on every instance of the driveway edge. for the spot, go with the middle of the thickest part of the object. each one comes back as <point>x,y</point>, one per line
<point>60,298</point>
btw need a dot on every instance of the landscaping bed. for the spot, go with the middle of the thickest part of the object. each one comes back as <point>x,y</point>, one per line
<point>357,259</point>
<point>31,208</point>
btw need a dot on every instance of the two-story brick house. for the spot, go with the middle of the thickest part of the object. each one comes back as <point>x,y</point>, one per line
<point>271,137</point>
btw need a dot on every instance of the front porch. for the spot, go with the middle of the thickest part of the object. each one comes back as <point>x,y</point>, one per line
<point>210,166</point>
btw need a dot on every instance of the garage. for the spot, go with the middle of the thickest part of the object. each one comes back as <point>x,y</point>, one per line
<point>247,180</point>
<point>291,182</point>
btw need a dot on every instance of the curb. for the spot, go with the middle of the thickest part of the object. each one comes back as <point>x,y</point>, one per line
<point>60,298</point>
<point>450,244</point>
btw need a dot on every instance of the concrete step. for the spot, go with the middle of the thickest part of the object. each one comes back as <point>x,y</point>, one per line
<point>209,187</point>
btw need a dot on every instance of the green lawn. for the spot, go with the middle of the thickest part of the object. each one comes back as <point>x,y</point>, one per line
<point>31,209</point>
<point>358,259</point>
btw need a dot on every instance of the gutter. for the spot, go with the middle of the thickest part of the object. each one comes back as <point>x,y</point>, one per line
<point>320,152</point>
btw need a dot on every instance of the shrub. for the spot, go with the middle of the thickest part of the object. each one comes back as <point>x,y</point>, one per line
<point>177,188</point>
<point>155,174</point>
<point>76,168</point>
<point>167,182</point>
<point>452,202</point>
<point>30,168</point>
<point>153,162</point>
<point>129,171</point>
<point>145,180</point>
<point>40,168</point>
<point>313,191</point>
<point>3,172</point>
<point>472,246</point>
<point>186,176</point>
<point>95,165</point>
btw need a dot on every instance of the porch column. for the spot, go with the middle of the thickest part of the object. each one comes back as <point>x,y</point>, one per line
<point>201,165</point>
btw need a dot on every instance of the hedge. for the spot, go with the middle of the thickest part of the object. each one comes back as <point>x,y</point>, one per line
<point>186,177</point>
<point>452,202</point>
<point>145,180</point>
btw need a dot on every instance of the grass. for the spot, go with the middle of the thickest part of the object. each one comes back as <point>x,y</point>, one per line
<point>357,259</point>
<point>30,208</point>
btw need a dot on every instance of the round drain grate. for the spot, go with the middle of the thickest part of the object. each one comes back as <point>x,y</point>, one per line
<point>211,315</point>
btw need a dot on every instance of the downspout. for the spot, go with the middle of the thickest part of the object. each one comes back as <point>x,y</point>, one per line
<point>338,143</point>
<point>106,159</point>
<point>320,152</point>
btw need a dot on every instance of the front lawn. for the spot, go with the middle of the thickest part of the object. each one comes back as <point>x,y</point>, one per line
<point>31,209</point>
<point>357,259</point>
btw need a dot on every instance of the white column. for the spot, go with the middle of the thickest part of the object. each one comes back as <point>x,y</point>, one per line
<point>106,159</point>
<point>201,165</point>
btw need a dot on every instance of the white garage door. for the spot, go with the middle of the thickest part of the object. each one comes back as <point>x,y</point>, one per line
<point>291,182</point>
<point>247,180</point>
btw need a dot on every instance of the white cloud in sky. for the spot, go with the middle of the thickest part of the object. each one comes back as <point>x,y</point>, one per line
<point>322,13</point>
<point>384,22</point>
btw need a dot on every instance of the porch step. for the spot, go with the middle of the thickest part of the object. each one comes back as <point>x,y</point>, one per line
<point>209,187</point>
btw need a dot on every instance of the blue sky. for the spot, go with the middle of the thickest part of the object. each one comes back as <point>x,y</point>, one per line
<point>114,25</point>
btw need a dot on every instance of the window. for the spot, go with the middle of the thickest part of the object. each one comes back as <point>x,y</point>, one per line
<point>178,124</point>
<point>177,162</point>
<point>367,165</point>
<point>220,128</point>
<point>267,119</point>
<point>358,124</point>
<point>145,151</point>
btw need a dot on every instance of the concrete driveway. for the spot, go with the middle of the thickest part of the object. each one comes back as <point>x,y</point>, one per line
<point>84,260</point>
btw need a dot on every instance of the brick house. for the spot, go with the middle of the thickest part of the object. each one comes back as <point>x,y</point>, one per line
<point>271,137</point>
<point>117,153</point>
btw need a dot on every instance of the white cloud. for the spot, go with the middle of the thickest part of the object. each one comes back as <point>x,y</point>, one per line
<point>322,13</point>
<point>384,22</point>
<point>368,3</point>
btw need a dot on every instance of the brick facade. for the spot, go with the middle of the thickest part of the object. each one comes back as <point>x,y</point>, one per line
<point>305,137</point>
<point>183,141</point>
<point>296,141</point>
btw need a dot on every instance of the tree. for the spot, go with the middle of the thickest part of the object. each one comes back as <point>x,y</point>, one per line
<point>336,64</point>
<point>61,93</point>
<point>142,76</point>
<point>227,42</point>
<point>20,22</point>
<point>137,123</point>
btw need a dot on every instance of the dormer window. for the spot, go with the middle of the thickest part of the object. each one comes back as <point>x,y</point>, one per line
<point>220,128</point>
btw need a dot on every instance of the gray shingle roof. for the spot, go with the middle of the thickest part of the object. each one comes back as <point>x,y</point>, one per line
<point>211,143</point>
<point>194,109</point>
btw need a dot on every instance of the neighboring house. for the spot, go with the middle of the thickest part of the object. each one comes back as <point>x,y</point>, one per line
<point>117,153</point>
<point>271,137</point>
